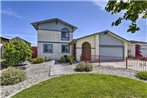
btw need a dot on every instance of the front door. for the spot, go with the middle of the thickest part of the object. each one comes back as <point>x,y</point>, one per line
<point>86,51</point>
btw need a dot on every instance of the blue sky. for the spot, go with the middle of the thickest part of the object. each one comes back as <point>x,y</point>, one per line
<point>89,16</point>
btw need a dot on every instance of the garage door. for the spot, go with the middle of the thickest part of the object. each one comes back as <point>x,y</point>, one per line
<point>111,53</point>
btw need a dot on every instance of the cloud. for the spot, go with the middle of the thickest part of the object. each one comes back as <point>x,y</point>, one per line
<point>100,3</point>
<point>11,12</point>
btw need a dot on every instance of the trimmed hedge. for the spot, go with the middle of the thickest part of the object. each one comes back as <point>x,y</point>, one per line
<point>38,60</point>
<point>142,75</point>
<point>84,66</point>
<point>12,75</point>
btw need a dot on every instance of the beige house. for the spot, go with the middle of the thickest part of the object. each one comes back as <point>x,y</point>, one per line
<point>54,37</point>
<point>104,45</point>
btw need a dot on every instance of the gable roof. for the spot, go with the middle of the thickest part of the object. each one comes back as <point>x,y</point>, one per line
<point>20,39</point>
<point>35,24</point>
<point>2,37</point>
<point>103,32</point>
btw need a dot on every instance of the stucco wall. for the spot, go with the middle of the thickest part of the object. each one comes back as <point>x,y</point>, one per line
<point>126,49</point>
<point>94,42</point>
<point>143,49</point>
<point>132,50</point>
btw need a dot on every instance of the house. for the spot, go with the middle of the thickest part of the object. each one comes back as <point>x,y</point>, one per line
<point>54,37</point>
<point>2,40</point>
<point>104,45</point>
<point>18,38</point>
<point>133,48</point>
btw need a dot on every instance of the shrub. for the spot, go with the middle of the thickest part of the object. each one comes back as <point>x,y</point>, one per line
<point>12,75</point>
<point>62,59</point>
<point>71,59</point>
<point>16,51</point>
<point>38,60</point>
<point>84,66</point>
<point>88,67</point>
<point>66,58</point>
<point>80,66</point>
<point>142,75</point>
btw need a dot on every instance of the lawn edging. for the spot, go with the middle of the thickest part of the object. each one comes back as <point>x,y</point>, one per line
<point>11,95</point>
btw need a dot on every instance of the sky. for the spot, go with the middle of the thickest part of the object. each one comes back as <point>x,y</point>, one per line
<point>88,16</point>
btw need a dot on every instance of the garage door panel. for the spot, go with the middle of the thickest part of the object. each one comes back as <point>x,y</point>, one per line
<point>111,53</point>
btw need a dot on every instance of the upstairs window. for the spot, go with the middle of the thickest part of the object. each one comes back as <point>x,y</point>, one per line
<point>47,48</point>
<point>65,49</point>
<point>65,34</point>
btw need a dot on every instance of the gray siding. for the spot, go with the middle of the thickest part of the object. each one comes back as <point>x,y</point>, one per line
<point>106,39</point>
<point>51,33</point>
<point>54,26</point>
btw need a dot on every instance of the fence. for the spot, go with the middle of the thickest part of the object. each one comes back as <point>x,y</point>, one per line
<point>136,64</point>
<point>128,63</point>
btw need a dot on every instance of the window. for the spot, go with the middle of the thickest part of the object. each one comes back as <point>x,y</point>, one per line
<point>65,48</point>
<point>65,34</point>
<point>47,48</point>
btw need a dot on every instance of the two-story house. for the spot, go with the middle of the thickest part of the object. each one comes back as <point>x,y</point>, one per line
<point>54,37</point>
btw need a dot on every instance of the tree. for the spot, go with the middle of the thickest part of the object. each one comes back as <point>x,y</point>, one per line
<point>138,51</point>
<point>16,52</point>
<point>133,10</point>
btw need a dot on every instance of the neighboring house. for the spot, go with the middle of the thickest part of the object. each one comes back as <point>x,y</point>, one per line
<point>106,45</point>
<point>132,47</point>
<point>54,37</point>
<point>21,39</point>
<point>2,40</point>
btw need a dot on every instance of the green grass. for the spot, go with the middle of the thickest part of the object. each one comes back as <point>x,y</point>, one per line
<point>86,86</point>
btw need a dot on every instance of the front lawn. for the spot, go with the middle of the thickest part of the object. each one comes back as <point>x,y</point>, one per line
<point>86,86</point>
